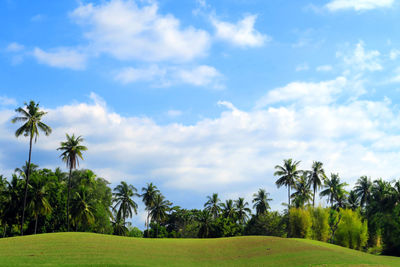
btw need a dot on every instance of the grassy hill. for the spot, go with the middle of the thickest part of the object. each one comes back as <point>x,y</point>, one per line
<point>87,249</point>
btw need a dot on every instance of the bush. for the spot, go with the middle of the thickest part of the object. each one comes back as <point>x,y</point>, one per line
<point>299,223</point>
<point>134,232</point>
<point>270,224</point>
<point>391,233</point>
<point>320,225</point>
<point>351,231</point>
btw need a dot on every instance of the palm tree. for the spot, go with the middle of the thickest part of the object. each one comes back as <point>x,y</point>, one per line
<point>123,199</point>
<point>72,151</point>
<point>23,172</point>
<point>242,210</point>
<point>39,204</point>
<point>148,196</point>
<point>353,201</point>
<point>334,190</point>
<point>31,115</point>
<point>363,190</point>
<point>213,205</point>
<point>82,209</point>
<point>228,209</point>
<point>288,174</point>
<point>205,219</point>
<point>317,176</point>
<point>159,209</point>
<point>303,190</point>
<point>260,200</point>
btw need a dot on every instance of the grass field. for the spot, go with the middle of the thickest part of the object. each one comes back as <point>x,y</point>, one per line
<point>85,249</point>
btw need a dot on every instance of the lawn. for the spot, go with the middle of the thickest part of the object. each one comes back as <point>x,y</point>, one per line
<point>86,249</point>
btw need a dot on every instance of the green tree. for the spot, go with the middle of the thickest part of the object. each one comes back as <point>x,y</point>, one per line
<point>303,192</point>
<point>260,200</point>
<point>159,209</point>
<point>205,219</point>
<point>31,117</point>
<point>241,210</point>
<point>123,200</point>
<point>149,194</point>
<point>39,204</point>
<point>288,173</point>
<point>72,151</point>
<point>320,224</point>
<point>228,209</point>
<point>317,175</point>
<point>363,190</point>
<point>353,201</point>
<point>213,205</point>
<point>335,191</point>
<point>299,223</point>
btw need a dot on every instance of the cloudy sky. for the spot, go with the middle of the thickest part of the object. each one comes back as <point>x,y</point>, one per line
<point>204,96</point>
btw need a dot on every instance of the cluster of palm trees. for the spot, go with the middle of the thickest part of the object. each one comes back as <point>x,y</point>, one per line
<point>31,116</point>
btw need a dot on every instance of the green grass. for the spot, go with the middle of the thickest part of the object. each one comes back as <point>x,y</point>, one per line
<point>85,249</point>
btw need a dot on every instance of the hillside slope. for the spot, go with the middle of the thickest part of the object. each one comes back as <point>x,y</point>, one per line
<point>86,249</point>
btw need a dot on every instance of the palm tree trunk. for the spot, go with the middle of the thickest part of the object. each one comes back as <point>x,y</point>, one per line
<point>36,219</point>
<point>289,196</point>
<point>69,189</point>
<point>148,216</point>
<point>26,185</point>
<point>313,198</point>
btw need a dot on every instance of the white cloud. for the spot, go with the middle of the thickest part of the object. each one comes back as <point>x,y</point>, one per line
<point>305,93</point>
<point>6,101</point>
<point>200,76</point>
<point>394,53</point>
<point>205,76</point>
<point>302,67</point>
<point>173,113</point>
<point>324,68</point>
<point>61,58</point>
<point>237,150</point>
<point>126,31</point>
<point>358,5</point>
<point>362,60</point>
<point>242,33</point>
<point>15,47</point>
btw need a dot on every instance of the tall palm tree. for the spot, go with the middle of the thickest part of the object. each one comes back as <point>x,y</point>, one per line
<point>31,116</point>
<point>317,175</point>
<point>228,209</point>
<point>260,200</point>
<point>288,174</point>
<point>159,209</point>
<point>303,190</point>
<point>213,205</point>
<point>72,151</point>
<point>363,190</point>
<point>242,210</point>
<point>39,204</point>
<point>123,199</point>
<point>148,196</point>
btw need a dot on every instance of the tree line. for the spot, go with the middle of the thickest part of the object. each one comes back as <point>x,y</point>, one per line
<point>38,200</point>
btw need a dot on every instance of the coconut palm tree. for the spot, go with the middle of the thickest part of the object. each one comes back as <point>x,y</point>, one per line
<point>260,200</point>
<point>123,200</point>
<point>228,209</point>
<point>363,190</point>
<point>213,205</point>
<point>148,196</point>
<point>317,175</point>
<point>205,219</point>
<point>334,190</point>
<point>72,151</point>
<point>353,201</point>
<point>31,116</point>
<point>159,209</point>
<point>241,210</point>
<point>82,209</point>
<point>288,173</point>
<point>39,204</point>
<point>303,190</point>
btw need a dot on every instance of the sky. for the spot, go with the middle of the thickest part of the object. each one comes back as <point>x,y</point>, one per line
<point>204,96</point>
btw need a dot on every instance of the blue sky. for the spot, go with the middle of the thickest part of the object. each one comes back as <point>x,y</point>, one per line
<point>206,96</point>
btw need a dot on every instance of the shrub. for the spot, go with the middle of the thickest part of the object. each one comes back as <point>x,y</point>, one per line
<point>299,223</point>
<point>320,225</point>
<point>351,231</point>
<point>271,224</point>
